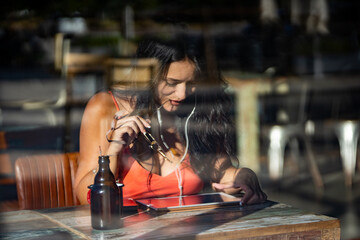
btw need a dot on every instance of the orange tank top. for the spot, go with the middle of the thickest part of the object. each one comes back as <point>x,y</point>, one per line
<point>136,179</point>
<point>137,184</point>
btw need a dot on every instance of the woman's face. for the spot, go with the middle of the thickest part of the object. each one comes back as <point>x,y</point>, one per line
<point>178,84</point>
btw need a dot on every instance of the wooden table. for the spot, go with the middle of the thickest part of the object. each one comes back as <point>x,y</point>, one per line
<point>270,220</point>
<point>247,119</point>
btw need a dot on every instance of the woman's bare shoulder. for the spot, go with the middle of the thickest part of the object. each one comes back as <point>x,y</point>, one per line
<point>101,98</point>
<point>100,104</point>
<point>103,103</point>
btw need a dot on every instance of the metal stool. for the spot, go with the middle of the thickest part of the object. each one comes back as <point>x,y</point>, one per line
<point>347,132</point>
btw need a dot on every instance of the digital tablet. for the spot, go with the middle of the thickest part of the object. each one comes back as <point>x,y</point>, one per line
<point>189,202</point>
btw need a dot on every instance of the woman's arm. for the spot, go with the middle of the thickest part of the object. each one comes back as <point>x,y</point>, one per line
<point>98,118</point>
<point>236,180</point>
<point>95,123</point>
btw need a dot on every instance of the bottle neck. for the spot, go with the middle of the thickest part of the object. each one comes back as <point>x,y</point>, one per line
<point>104,163</point>
<point>104,174</point>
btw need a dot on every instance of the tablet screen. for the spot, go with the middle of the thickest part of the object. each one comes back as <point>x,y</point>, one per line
<point>208,200</point>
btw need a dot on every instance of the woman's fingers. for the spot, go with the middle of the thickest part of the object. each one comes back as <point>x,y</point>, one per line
<point>136,122</point>
<point>126,129</point>
<point>128,134</point>
<point>120,114</point>
<point>223,186</point>
<point>255,197</point>
<point>251,195</point>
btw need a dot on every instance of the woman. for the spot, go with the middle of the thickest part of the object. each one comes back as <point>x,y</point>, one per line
<point>186,111</point>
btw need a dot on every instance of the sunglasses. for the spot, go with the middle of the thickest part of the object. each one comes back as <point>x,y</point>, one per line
<point>154,145</point>
<point>148,137</point>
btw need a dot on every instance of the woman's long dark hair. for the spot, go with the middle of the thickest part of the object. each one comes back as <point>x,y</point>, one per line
<point>211,129</point>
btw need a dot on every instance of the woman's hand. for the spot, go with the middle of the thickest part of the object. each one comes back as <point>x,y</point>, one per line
<point>245,180</point>
<point>125,129</point>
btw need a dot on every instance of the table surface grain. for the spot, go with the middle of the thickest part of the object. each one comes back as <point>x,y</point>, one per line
<point>269,220</point>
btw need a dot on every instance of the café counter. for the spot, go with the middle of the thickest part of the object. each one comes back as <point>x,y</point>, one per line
<point>270,220</point>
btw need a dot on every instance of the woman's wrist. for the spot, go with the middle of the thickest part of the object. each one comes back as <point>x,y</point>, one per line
<point>114,149</point>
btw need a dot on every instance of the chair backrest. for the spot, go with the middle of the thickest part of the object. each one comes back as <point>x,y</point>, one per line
<point>130,72</point>
<point>46,181</point>
<point>75,63</point>
<point>58,51</point>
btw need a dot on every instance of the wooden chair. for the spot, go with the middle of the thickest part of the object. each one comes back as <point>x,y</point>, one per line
<point>130,72</point>
<point>80,63</point>
<point>46,181</point>
<point>74,64</point>
<point>58,51</point>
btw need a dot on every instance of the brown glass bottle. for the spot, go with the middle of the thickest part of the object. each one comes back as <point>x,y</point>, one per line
<point>106,198</point>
